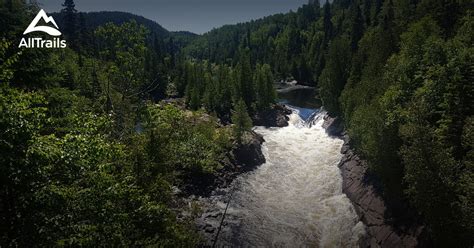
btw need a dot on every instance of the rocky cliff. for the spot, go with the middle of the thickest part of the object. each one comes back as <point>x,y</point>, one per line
<point>277,116</point>
<point>361,188</point>
<point>242,158</point>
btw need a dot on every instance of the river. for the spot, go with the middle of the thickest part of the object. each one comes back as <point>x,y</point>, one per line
<point>295,199</point>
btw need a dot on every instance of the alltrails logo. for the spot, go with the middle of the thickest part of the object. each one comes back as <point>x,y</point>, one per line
<point>40,42</point>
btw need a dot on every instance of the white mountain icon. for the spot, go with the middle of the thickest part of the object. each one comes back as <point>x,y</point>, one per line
<point>49,30</point>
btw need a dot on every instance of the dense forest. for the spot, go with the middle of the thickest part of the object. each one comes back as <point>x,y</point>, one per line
<point>400,75</point>
<point>90,154</point>
<point>87,157</point>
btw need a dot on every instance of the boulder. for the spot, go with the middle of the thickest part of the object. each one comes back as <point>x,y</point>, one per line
<point>249,154</point>
<point>277,116</point>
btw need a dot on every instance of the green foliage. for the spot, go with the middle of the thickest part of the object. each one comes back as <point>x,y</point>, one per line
<point>194,82</point>
<point>70,21</point>
<point>335,74</point>
<point>76,189</point>
<point>184,141</point>
<point>125,45</point>
<point>88,160</point>
<point>6,62</point>
<point>70,170</point>
<point>419,104</point>
<point>266,94</point>
<point>278,40</point>
<point>241,120</point>
<point>400,75</point>
<point>224,87</point>
<point>218,87</point>
<point>245,85</point>
<point>15,17</point>
<point>437,115</point>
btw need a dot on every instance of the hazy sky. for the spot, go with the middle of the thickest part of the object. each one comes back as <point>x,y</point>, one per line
<point>197,16</point>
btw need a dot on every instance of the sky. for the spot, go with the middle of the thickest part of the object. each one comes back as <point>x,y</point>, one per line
<point>197,16</point>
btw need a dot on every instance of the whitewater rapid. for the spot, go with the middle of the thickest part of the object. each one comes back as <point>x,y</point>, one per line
<point>295,199</point>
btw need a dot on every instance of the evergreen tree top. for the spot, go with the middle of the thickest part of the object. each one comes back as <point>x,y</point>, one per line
<point>69,6</point>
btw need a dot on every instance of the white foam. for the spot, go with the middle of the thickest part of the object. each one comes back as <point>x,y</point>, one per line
<point>295,199</point>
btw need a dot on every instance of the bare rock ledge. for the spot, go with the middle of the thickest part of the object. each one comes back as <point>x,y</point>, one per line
<point>368,203</point>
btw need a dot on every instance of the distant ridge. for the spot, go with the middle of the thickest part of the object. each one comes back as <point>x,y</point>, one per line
<point>95,19</point>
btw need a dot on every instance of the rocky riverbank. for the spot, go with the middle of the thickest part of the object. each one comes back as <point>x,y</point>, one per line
<point>242,157</point>
<point>198,194</point>
<point>361,188</point>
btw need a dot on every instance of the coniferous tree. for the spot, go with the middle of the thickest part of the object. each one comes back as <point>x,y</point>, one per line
<point>195,99</point>
<point>260,87</point>
<point>264,85</point>
<point>327,23</point>
<point>304,71</point>
<point>295,71</point>
<point>83,34</point>
<point>210,93</point>
<point>375,7</point>
<point>96,88</point>
<point>366,6</point>
<point>270,92</point>
<point>246,86</point>
<point>241,120</point>
<point>224,89</point>
<point>357,26</point>
<point>70,21</point>
<point>193,92</point>
<point>334,76</point>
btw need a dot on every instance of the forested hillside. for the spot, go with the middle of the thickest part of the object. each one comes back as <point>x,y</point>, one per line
<point>400,74</point>
<point>90,155</point>
<point>92,20</point>
<point>86,157</point>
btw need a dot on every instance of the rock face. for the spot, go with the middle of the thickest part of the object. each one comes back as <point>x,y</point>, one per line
<point>333,126</point>
<point>277,116</point>
<point>361,189</point>
<point>249,153</point>
<point>243,157</point>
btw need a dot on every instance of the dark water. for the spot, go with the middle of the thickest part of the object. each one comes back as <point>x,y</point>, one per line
<point>304,99</point>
